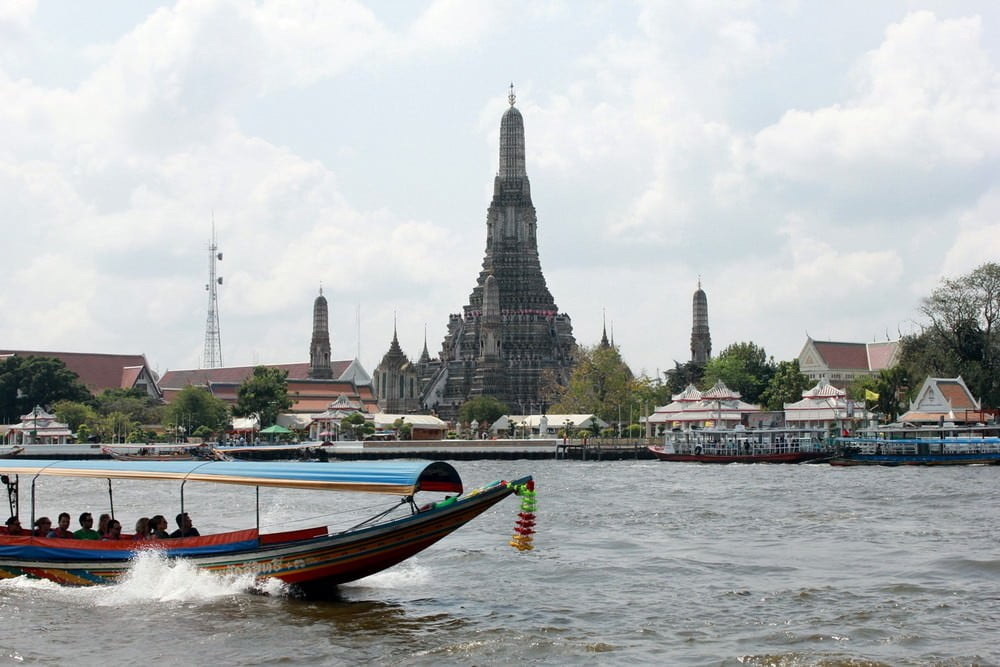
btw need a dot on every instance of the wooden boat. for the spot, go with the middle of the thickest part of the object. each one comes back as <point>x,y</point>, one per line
<point>305,451</point>
<point>742,445</point>
<point>314,560</point>
<point>943,445</point>
<point>158,452</point>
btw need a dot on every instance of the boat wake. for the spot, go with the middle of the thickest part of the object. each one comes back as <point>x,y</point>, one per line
<point>153,577</point>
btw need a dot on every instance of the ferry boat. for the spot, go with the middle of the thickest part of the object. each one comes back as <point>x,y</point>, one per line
<point>744,445</point>
<point>314,560</point>
<point>896,445</point>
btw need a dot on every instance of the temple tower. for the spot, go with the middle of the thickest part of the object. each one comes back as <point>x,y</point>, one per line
<point>319,348</point>
<point>396,386</point>
<point>701,339</point>
<point>511,331</point>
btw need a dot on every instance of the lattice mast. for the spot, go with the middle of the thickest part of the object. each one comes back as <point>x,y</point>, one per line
<point>213,336</point>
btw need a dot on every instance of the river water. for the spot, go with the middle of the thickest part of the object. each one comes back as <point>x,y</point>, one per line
<point>638,562</point>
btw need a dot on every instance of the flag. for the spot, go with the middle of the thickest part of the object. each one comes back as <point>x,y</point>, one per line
<point>871,395</point>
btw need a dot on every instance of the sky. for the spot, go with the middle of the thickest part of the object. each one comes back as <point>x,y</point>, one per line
<point>818,166</point>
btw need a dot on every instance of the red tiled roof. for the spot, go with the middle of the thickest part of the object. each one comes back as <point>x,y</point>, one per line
<point>237,374</point>
<point>97,371</point>
<point>853,356</point>
<point>880,355</point>
<point>956,395</point>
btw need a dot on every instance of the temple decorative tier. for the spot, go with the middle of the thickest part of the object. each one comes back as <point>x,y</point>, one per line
<point>511,334</point>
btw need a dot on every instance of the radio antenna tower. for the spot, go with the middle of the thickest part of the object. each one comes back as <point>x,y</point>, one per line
<point>213,337</point>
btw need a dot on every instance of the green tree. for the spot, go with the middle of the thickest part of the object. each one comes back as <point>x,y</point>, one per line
<point>29,381</point>
<point>682,375</point>
<point>599,384</point>
<point>136,403</point>
<point>894,388</point>
<point>264,393</point>
<point>743,367</point>
<point>356,426</point>
<point>193,407</point>
<point>961,337</point>
<point>786,386</point>
<point>483,409</point>
<point>74,414</point>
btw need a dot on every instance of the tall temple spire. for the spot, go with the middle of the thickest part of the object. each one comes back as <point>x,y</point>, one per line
<point>319,347</point>
<point>701,339</point>
<point>510,333</point>
<point>511,142</point>
<point>604,329</point>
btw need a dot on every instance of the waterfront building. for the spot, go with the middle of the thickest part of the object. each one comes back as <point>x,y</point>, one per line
<point>943,400</point>
<point>98,372</point>
<point>510,336</point>
<point>825,406</point>
<point>840,363</point>
<point>38,427</point>
<point>719,407</point>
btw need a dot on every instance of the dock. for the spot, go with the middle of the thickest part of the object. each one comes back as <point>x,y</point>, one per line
<point>591,449</point>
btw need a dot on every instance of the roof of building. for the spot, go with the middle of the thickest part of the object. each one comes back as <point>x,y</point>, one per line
<point>97,371</point>
<point>946,398</point>
<point>856,356</point>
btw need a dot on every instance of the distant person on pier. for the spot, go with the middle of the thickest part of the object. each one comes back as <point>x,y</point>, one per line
<point>184,527</point>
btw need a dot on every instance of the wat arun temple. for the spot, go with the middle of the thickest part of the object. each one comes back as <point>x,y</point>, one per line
<point>510,338</point>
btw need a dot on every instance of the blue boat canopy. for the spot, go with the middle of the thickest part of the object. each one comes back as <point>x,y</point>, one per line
<point>391,477</point>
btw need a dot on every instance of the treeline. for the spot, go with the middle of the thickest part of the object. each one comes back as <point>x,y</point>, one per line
<point>959,337</point>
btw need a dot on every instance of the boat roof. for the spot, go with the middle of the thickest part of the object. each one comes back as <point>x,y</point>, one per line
<point>391,477</point>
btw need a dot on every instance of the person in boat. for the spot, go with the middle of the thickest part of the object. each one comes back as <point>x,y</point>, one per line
<point>184,527</point>
<point>42,526</point>
<point>158,527</point>
<point>14,527</point>
<point>114,531</point>
<point>102,524</point>
<point>87,531</point>
<point>141,529</point>
<point>62,528</point>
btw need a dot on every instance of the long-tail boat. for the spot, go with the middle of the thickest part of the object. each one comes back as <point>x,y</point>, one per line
<point>313,560</point>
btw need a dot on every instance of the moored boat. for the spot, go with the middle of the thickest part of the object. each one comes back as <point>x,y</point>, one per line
<point>314,560</point>
<point>156,452</point>
<point>941,445</point>
<point>740,445</point>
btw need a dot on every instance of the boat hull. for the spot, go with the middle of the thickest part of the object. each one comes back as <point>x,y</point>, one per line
<point>776,457</point>
<point>313,564</point>
<point>955,459</point>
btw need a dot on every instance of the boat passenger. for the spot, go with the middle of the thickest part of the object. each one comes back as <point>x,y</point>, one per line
<point>158,527</point>
<point>184,527</point>
<point>62,529</point>
<point>102,524</point>
<point>141,529</point>
<point>114,531</point>
<point>14,527</point>
<point>42,525</point>
<point>87,531</point>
